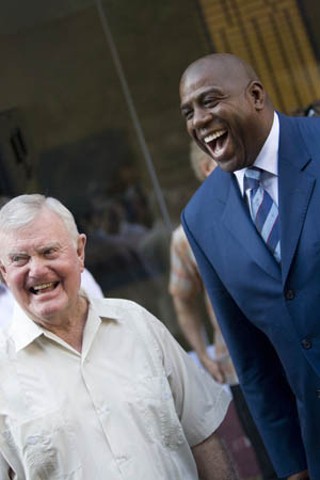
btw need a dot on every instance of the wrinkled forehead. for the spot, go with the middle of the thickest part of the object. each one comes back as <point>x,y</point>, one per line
<point>45,229</point>
<point>21,240</point>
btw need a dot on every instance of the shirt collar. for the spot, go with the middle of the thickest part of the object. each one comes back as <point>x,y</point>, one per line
<point>24,330</point>
<point>267,159</point>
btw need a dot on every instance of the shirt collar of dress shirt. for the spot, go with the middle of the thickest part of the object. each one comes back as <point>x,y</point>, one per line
<point>267,159</point>
<point>24,331</point>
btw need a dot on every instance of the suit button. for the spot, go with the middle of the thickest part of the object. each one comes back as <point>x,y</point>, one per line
<point>318,392</point>
<point>289,294</point>
<point>306,343</point>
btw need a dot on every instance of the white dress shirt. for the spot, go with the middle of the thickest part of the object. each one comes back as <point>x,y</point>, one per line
<point>267,160</point>
<point>129,406</point>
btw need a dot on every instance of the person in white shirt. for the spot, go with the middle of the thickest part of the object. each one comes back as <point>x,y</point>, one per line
<point>93,388</point>
<point>88,283</point>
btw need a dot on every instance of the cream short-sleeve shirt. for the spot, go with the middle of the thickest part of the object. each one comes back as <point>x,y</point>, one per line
<point>129,406</point>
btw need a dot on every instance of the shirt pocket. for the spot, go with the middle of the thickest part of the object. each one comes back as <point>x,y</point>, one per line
<point>46,446</point>
<point>156,404</point>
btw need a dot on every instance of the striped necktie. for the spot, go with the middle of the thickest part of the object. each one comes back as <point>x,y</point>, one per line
<point>263,210</point>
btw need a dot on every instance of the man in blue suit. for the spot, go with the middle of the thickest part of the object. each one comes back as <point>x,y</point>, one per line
<point>267,298</point>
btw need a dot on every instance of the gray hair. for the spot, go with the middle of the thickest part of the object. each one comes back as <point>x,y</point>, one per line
<point>23,209</point>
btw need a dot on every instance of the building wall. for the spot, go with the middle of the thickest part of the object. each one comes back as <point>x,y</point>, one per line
<point>273,36</point>
<point>60,75</point>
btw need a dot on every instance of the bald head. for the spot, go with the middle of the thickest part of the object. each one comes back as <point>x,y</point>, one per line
<point>233,68</point>
<point>228,112</point>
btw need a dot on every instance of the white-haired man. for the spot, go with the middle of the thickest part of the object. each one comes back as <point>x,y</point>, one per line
<point>92,388</point>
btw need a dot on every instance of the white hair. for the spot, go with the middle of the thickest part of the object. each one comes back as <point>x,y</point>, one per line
<point>23,209</point>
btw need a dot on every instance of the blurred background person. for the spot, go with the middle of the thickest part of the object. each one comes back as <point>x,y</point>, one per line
<point>187,291</point>
<point>312,110</point>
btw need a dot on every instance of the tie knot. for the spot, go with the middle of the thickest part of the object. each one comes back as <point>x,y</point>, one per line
<point>252,178</point>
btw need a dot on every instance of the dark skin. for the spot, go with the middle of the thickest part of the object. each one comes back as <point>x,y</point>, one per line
<point>228,114</point>
<point>222,97</point>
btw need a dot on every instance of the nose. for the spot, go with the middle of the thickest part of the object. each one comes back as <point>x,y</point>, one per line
<point>201,117</point>
<point>37,266</point>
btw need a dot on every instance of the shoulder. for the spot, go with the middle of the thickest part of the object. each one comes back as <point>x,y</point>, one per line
<point>299,135</point>
<point>127,312</point>
<point>310,129</point>
<point>115,307</point>
<point>303,125</point>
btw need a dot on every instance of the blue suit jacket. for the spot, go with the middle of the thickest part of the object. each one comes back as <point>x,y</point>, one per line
<point>270,315</point>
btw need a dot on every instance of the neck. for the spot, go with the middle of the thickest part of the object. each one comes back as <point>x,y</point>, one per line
<point>71,329</point>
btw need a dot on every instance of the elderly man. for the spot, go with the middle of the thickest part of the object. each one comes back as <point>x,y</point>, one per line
<point>92,389</point>
<point>255,231</point>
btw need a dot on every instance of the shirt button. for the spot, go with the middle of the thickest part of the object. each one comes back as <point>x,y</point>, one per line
<point>306,343</point>
<point>289,294</point>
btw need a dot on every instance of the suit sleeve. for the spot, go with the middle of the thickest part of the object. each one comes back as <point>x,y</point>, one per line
<point>260,372</point>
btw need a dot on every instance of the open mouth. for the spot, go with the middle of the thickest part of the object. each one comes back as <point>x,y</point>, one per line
<point>215,141</point>
<point>43,288</point>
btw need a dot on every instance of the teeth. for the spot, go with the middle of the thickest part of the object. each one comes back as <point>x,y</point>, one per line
<point>38,288</point>
<point>214,136</point>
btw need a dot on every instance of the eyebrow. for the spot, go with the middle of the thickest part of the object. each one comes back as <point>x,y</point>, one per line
<point>9,257</point>
<point>16,252</point>
<point>54,245</point>
<point>41,249</point>
<point>209,90</point>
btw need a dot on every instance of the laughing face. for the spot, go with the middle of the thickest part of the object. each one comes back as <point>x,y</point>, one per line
<point>42,266</point>
<point>226,110</point>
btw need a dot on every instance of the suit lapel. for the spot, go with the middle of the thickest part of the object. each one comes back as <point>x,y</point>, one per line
<point>296,184</point>
<point>295,189</point>
<point>237,221</point>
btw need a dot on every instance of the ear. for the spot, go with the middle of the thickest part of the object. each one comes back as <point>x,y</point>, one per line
<point>81,243</point>
<point>257,94</point>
